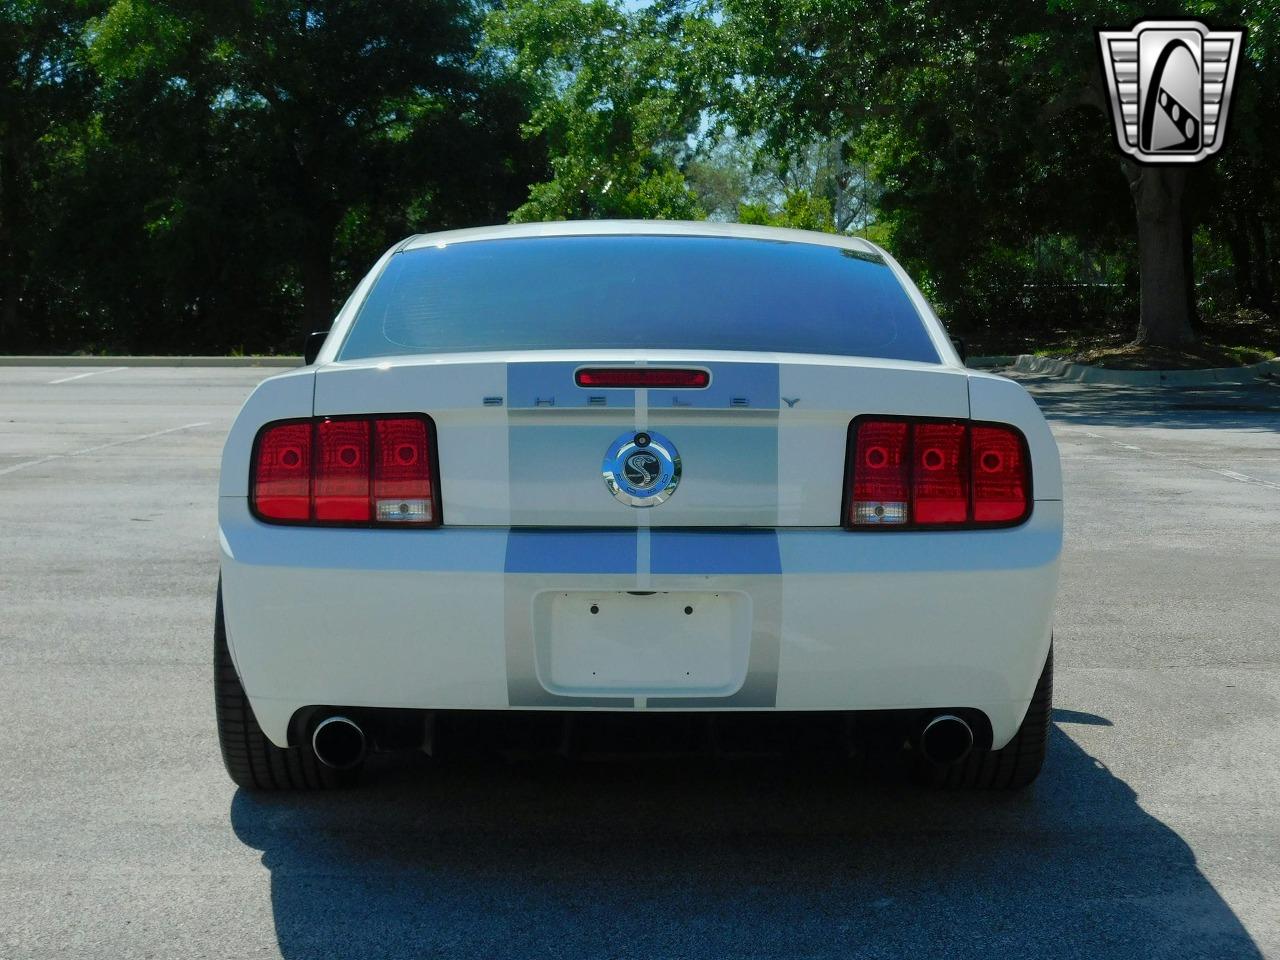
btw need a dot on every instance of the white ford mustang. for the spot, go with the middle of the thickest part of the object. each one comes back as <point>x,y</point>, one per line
<point>643,468</point>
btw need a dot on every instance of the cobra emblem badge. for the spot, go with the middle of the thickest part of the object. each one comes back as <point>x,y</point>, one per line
<point>642,469</point>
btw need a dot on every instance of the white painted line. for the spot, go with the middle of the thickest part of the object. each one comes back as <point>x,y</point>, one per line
<point>643,549</point>
<point>642,513</point>
<point>29,463</point>
<point>1229,474</point>
<point>101,446</point>
<point>91,373</point>
<point>1242,478</point>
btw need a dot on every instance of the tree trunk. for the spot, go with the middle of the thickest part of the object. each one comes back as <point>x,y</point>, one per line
<point>1241,261</point>
<point>317,276</point>
<point>10,279</point>
<point>1164,255</point>
<point>1264,292</point>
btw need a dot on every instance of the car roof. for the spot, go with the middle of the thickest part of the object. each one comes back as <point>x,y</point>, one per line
<point>638,228</point>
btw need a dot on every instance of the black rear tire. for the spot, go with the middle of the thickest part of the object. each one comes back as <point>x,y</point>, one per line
<point>1014,765</point>
<point>252,761</point>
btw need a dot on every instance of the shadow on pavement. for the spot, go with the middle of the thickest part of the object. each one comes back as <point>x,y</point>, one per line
<point>730,859</point>
<point>1222,406</point>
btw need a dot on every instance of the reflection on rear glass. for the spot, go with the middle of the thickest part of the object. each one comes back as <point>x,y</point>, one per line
<point>631,292</point>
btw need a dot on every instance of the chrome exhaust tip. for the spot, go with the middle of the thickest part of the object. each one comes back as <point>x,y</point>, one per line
<point>946,739</point>
<point>339,743</point>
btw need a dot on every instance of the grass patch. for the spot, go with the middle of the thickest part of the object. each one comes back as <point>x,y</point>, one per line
<point>1196,356</point>
<point>1236,339</point>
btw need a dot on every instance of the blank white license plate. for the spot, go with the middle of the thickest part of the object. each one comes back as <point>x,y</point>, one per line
<point>659,644</point>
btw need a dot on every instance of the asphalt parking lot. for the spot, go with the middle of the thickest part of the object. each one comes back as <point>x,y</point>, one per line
<point>1154,831</point>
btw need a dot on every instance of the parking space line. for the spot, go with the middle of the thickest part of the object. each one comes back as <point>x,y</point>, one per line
<point>1229,474</point>
<point>101,446</point>
<point>91,373</point>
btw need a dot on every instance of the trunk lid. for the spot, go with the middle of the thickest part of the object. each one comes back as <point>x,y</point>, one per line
<point>520,444</point>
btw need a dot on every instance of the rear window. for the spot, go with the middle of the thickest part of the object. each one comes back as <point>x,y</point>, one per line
<point>629,292</point>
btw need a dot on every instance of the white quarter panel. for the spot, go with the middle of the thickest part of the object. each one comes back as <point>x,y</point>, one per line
<point>372,617</point>
<point>1003,401</point>
<point>282,397</point>
<point>909,619</point>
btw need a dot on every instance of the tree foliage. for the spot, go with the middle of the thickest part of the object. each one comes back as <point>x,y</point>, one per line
<point>617,101</point>
<point>180,175</point>
<point>800,211</point>
<point>973,137</point>
<point>985,127</point>
<point>45,88</point>
<point>227,170</point>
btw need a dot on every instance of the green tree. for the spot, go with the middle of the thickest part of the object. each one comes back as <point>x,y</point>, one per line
<point>289,126</point>
<point>800,210</point>
<point>45,105</point>
<point>983,121</point>
<point>1242,204</point>
<point>618,101</point>
<point>731,172</point>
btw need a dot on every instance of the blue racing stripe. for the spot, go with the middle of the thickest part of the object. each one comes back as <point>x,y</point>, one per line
<point>571,551</point>
<point>715,552</point>
<point>536,384</point>
<point>754,385</point>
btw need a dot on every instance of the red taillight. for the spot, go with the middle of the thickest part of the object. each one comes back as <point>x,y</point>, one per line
<point>940,473</point>
<point>355,471</point>
<point>402,490</point>
<point>640,377</point>
<point>881,472</point>
<point>908,473</point>
<point>282,472</point>
<point>1000,475</point>
<point>341,487</point>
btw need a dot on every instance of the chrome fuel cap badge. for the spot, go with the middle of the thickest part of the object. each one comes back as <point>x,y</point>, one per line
<point>642,469</point>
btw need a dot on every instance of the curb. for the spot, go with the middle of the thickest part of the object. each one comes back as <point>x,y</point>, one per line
<point>1024,363</point>
<point>1080,373</point>
<point>985,363</point>
<point>14,361</point>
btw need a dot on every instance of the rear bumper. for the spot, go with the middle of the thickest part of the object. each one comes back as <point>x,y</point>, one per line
<point>455,618</point>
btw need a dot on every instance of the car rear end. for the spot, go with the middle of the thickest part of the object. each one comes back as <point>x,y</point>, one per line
<point>424,521</point>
